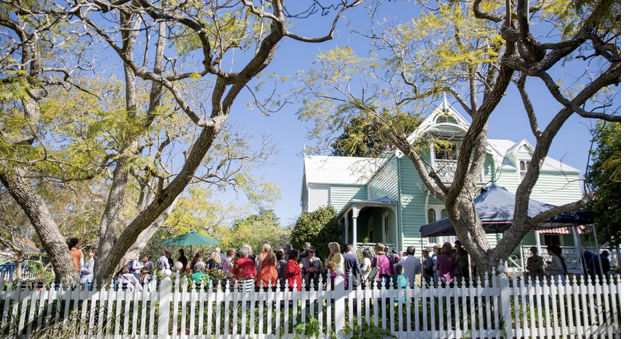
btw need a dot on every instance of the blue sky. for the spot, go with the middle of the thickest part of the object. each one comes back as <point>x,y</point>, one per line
<point>509,121</point>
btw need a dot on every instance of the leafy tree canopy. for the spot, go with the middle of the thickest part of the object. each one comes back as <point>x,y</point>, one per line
<point>604,177</point>
<point>255,230</point>
<point>362,139</point>
<point>473,51</point>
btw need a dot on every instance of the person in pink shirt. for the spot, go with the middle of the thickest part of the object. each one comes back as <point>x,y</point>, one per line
<point>446,264</point>
<point>384,264</point>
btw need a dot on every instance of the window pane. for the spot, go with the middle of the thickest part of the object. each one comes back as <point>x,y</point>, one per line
<point>431,215</point>
<point>443,213</point>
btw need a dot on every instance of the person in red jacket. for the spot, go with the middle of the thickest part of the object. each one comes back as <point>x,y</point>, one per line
<point>293,271</point>
<point>244,271</point>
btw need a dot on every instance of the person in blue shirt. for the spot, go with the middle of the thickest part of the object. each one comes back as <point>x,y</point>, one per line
<point>398,279</point>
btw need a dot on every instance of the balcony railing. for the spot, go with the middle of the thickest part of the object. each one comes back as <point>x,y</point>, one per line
<point>570,255</point>
<point>445,169</point>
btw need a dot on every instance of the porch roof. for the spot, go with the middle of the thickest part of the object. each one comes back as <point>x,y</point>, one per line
<point>381,202</point>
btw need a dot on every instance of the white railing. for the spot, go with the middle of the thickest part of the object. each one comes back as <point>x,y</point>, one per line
<point>570,255</point>
<point>445,169</point>
<point>494,309</point>
<point>12,275</point>
<point>370,245</point>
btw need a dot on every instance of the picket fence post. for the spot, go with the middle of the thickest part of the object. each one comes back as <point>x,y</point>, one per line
<point>505,301</point>
<point>165,293</point>
<point>340,306</point>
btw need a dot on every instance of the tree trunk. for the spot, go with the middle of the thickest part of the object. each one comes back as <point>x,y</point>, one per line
<point>140,243</point>
<point>45,227</point>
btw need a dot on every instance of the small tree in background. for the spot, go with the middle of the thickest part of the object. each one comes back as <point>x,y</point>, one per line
<point>319,228</point>
<point>255,230</point>
<point>604,177</point>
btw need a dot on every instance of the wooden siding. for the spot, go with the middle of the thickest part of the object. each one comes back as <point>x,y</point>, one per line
<point>489,169</point>
<point>552,187</point>
<point>385,182</point>
<point>557,188</point>
<point>508,180</point>
<point>340,195</point>
<point>412,204</point>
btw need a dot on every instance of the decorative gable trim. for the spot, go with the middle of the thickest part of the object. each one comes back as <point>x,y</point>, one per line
<point>430,121</point>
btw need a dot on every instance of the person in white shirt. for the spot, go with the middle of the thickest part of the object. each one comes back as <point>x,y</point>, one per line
<point>87,271</point>
<point>136,267</point>
<point>177,270</point>
<point>411,266</point>
<point>366,263</point>
<point>163,265</point>
<point>129,280</point>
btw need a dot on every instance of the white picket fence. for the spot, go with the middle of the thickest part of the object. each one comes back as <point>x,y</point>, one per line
<point>496,309</point>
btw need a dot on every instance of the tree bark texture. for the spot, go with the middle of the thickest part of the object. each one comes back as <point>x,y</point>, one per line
<point>46,228</point>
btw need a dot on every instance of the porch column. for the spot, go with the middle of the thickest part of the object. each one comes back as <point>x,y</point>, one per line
<point>538,242</point>
<point>355,215</point>
<point>345,218</point>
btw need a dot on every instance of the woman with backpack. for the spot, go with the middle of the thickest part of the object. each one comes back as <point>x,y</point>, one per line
<point>384,265</point>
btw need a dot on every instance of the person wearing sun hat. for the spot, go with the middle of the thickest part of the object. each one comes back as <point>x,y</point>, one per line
<point>383,263</point>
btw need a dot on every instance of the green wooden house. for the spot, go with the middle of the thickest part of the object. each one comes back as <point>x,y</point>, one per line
<point>384,200</point>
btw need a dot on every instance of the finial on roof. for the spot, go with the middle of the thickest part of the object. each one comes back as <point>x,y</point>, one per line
<point>445,105</point>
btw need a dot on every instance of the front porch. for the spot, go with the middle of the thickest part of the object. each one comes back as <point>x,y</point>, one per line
<point>370,222</point>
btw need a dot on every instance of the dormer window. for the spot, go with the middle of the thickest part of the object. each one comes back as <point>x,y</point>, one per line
<point>447,152</point>
<point>523,164</point>
<point>442,119</point>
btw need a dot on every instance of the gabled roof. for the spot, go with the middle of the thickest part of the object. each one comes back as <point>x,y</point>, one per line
<point>443,109</point>
<point>504,148</point>
<point>340,170</point>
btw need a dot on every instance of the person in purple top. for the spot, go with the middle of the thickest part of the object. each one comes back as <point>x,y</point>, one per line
<point>227,264</point>
<point>446,264</point>
<point>384,265</point>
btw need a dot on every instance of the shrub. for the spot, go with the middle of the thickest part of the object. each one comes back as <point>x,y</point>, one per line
<point>318,228</point>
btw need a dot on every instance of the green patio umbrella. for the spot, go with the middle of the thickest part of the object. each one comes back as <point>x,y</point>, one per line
<point>191,238</point>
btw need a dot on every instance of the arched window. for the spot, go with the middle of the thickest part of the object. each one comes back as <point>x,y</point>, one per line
<point>523,168</point>
<point>431,215</point>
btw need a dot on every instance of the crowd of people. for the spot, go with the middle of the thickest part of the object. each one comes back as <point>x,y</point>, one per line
<point>289,268</point>
<point>593,265</point>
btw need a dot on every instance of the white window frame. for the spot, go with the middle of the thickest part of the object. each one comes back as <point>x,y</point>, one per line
<point>526,162</point>
<point>369,192</point>
<point>439,215</point>
<point>385,218</point>
<point>456,145</point>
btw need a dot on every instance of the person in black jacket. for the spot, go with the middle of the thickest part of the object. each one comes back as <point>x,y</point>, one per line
<point>353,269</point>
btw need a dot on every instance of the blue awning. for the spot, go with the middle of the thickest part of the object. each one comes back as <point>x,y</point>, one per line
<point>495,206</point>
